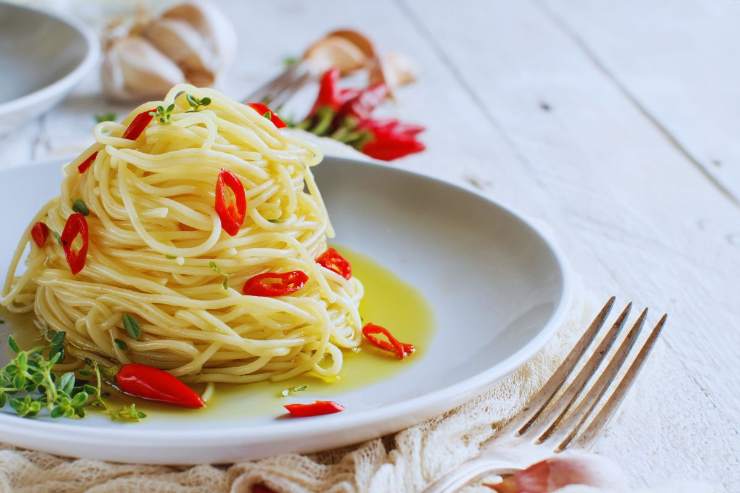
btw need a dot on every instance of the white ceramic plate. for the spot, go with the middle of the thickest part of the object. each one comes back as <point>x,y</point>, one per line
<point>43,56</point>
<point>497,286</point>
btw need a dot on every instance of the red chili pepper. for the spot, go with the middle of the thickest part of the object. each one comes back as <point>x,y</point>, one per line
<point>138,124</point>
<point>39,233</point>
<point>390,139</point>
<point>330,94</point>
<point>231,212</point>
<point>316,409</point>
<point>154,384</point>
<point>393,345</point>
<point>333,260</point>
<point>364,103</point>
<point>85,165</point>
<point>265,111</point>
<point>275,284</point>
<point>76,225</point>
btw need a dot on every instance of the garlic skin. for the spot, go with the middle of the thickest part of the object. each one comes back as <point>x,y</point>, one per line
<point>143,57</point>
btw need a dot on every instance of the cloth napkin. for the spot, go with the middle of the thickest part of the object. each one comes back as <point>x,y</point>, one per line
<point>405,462</point>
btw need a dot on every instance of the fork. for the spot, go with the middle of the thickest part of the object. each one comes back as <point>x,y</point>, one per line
<point>554,420</point>
<point>278,90</point>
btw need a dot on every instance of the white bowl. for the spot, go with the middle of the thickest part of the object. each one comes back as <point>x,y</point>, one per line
<point>497,286</point>
<point>43,55</point>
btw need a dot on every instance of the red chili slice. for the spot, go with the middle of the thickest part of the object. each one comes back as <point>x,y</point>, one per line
<point>392,344</point>
<point>316,409</point>
<point>333,260</point>
<point>39,233</point>
<point>76,225</point>
<point>138,124</point>
<point>85,165</point>
<point>231,212</point>
<point>265,111</point>
<point>275,284</point>
<point>154,384</point>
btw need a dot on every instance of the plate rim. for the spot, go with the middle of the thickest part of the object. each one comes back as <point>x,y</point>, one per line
<point>68,80</point>
<point>435,402</point>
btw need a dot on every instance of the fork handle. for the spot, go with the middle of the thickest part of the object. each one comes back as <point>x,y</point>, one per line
<point>469,471</point>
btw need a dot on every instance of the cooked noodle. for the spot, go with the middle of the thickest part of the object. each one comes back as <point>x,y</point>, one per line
<point>157,252</point>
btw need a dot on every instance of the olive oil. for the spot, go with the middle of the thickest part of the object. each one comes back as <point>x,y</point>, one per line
<point>388,301</point>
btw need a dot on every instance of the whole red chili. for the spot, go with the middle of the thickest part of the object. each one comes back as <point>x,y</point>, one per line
<point>362,105</point>
<point>138,124</point>
<point>265,111</point>
<point>39,233</point>
<point>85,165</point>
<point>390,139</point>
<point>392,344</point>
<point>231,212</point>
<point>154,384</point>
<point>333,260</point>
<point>76,225</point>
<point>275,284</point>
<point>330,94</point>
<point>315,409</point>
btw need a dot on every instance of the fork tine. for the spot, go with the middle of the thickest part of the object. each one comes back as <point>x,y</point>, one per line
<point>575,388</point>
<point>599,388</point>
<point>543,397</point>
<point>266,91</point>
<point>620,391</point>
<point>288,91</point>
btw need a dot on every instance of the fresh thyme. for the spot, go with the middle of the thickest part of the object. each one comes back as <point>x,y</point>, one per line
<point>215,268</point>
<point>105,117</point>
<point>162,114</point>
<point>293,390</point>
<point>132,326</point>
<point>195,103</point>
<point>80,206</point>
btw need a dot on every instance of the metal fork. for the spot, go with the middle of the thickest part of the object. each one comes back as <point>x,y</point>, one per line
<point>279,89</point>
<point>556,419</point>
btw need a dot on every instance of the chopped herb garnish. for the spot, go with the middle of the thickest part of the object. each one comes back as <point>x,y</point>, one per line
<point>292,390</point>
<point>80,206</point>
<point>131,326</point>
<point>121,344</point>
<point>171,257</point>
<point>2,322</point>
<point>164,115</point>
<point>126,414</point>
<point>56,236</point>
<point>215,268</point>
<point>195,103</point>
<point>289,60</point>
<point>267,114</point>
<point>105,117</point>
<point>56,344</point>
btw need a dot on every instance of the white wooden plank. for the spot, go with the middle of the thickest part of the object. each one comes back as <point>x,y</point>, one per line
<point>678,59</point>
<point>626,192</point>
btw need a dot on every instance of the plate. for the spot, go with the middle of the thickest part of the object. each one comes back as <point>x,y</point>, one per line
<point>43,55</point>
<point>497,286</point>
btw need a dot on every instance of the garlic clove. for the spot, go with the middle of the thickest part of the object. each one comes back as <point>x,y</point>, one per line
<point>345,49</point>
<point>133,69</point>
<point>395,70</point>
<point>182,44</point>
<point>214,27</point>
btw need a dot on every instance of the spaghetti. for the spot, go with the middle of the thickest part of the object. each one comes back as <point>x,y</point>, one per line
<point>159,255</point>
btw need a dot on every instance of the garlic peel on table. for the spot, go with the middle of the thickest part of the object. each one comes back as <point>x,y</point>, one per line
<point>144,56</point>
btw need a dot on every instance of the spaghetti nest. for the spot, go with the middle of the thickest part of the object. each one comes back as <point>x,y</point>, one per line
<point>158,254</point>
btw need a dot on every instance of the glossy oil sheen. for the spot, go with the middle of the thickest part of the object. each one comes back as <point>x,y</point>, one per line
<point>388,301</point>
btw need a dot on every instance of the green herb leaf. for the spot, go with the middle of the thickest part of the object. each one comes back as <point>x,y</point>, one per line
<point>105,117</point>
<point>80,206</point>
<point>171,257</point>
<point>56,343</point>
<point>215,268</point>
<point>56,236</point>
<point>195,103</point>
<point>162,114</point>
<point>292,390</point>
<point>289,60</point>
<point>131,326</point>
<point>126,414</point>
<point>13,345</point>
<point>121,344</point>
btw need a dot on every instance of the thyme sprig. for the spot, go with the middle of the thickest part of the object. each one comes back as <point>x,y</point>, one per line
<point>29,385</point>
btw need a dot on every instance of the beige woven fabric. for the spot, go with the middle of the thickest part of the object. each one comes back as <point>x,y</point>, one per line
<point>407,461</point>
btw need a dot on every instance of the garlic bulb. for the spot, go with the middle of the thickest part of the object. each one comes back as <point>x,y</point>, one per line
<point>189,42</point>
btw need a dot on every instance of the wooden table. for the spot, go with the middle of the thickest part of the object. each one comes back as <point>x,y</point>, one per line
<point>618,123</point>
